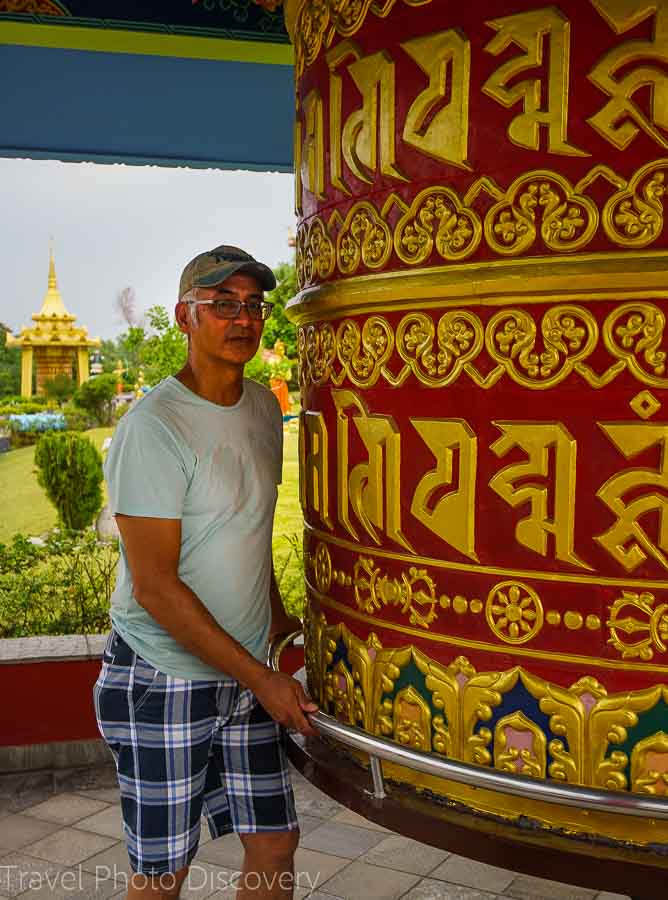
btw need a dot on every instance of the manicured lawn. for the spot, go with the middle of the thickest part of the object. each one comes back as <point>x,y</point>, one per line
<point>288,525</point>
<point>23,505</point>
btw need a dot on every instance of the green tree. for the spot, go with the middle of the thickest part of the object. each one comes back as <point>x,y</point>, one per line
<point>165,351</point>
<point>60,388</point>
<point>131,345</point>
<point>95,396</point>
<point>69,468</point>
<point>278,327</point>
<point>10,365</point>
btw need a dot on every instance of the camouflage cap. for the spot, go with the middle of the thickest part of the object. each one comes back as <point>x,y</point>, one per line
<point>215,266</point>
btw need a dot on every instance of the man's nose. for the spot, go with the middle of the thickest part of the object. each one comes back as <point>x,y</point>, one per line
<point>243,312</point>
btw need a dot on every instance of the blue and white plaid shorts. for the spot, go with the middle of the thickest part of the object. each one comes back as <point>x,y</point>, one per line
<point>184,748</point>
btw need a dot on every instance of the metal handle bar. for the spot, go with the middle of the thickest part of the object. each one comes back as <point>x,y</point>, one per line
<point>618,802</point>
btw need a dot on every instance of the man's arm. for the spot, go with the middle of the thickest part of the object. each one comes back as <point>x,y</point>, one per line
<point>153,547</point>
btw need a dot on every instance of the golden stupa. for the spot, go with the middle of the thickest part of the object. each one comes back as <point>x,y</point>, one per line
<point>54,344</point>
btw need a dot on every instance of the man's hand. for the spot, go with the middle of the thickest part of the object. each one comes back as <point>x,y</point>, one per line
<point>284,699</point>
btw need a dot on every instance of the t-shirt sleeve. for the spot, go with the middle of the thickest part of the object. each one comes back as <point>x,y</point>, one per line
<point>145,470</point>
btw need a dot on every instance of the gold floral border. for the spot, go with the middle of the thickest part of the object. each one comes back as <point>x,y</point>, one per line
<point>437,349</point>
<point>540,204</point>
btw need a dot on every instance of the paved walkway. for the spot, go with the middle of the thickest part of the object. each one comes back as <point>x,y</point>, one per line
<point>69,847</point>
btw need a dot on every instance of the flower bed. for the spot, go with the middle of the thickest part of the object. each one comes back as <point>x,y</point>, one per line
<point>25,428</point>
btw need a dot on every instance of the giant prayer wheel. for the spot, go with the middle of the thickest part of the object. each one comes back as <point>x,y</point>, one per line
<point>481,258</point>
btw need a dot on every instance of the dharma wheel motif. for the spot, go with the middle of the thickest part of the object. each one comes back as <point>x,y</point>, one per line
<point>481,257</point>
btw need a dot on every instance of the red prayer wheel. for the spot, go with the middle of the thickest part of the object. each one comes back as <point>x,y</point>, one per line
<point>481,257</point>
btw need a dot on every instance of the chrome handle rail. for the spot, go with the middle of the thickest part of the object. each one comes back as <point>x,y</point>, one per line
<point>617,802</point>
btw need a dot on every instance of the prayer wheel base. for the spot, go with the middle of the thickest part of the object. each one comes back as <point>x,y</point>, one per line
<point>525,847</point>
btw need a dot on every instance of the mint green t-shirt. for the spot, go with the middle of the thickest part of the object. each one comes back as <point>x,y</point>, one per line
<point>177,456</point>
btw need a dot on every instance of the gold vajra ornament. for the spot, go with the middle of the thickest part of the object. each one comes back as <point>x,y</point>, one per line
<point>637,629</point>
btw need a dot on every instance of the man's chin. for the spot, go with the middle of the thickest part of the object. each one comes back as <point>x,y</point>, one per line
<point>244,351</point>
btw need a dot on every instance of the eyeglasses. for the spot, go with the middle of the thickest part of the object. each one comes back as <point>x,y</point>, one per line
<point>230,309</point>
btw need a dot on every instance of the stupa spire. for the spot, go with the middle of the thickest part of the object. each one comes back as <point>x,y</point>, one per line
<point>53,284</point>
<point>53,305</point>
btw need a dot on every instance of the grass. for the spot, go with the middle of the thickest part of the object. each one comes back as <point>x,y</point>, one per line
<point>288,524</point>
<point>24,507</point>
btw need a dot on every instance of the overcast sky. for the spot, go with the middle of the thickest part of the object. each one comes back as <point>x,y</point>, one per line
<point>116,226</point>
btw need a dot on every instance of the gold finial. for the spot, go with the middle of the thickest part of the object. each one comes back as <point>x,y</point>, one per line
<point>52,267</point>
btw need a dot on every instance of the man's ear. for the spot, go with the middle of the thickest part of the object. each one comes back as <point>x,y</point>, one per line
<point>182,316</point>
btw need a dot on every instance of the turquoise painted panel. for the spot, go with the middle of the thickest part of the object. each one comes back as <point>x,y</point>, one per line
<point>104,107</point>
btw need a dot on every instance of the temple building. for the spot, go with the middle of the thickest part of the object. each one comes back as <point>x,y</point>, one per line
<point>54,345</point>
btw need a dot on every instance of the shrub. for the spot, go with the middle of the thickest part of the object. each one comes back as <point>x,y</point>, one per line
<point>20,401</point>
<point>70,471</point>
<point>62,587</point>
<point>30,406</point>
<point>60,388</point>
<point>77,419</point>
<point>95,396</point>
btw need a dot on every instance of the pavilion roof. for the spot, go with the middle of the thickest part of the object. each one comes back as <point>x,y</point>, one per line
<point>54,325</point>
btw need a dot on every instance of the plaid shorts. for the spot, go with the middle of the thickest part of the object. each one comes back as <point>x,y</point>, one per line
<point>184,748</point>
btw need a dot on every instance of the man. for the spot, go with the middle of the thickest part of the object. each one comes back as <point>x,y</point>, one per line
<point>184,699</point>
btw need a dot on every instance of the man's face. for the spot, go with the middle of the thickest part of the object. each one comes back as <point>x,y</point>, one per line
<point>231,340</point>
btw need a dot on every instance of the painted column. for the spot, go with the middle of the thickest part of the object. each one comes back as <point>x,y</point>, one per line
<point>484,447</point>
<point>83,365</point>
<point>26,372</point>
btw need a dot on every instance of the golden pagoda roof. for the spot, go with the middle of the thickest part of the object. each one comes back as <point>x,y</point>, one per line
<point>53,323</point>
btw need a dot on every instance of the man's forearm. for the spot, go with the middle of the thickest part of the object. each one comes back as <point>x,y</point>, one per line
<point>183,615</point>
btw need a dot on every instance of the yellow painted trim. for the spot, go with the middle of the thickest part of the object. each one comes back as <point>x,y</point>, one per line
<point>575,659</point>
<point>546,279</point>
<point>146,43</point>
<point>571,822</point>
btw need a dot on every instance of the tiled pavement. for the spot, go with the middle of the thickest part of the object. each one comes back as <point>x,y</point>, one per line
<point>69,847</point>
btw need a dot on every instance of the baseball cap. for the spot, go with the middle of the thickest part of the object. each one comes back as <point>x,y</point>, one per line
<point>214,266</point>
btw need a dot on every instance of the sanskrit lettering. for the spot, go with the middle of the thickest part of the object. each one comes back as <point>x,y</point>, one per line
<point>637,497</point>
<point>378,110</point>
<point>548,490</point>
<point>625,73</point>
<point>313,465</point>
<point>452,517</point>
<point>446,136</point>
<point>392,479</point>
<point>543,34</point>
<point>370,489</point>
